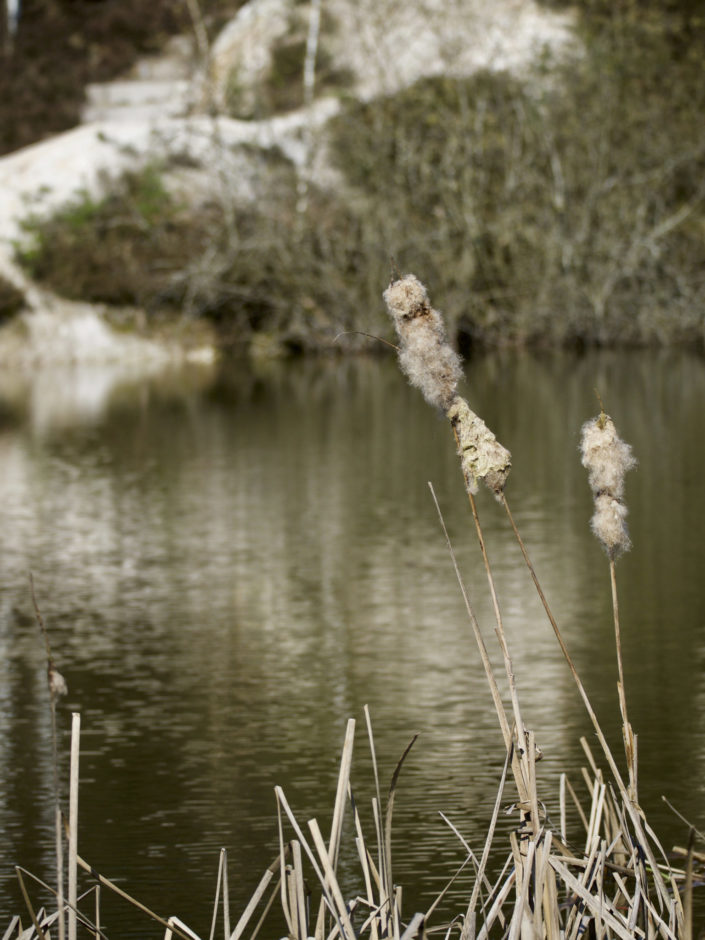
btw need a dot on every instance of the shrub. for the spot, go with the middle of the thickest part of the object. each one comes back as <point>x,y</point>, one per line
<point>11,300</point>
<point>569,209</point>
<point>124,249</point>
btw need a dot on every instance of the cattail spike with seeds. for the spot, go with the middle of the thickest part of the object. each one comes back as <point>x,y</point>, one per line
<point>607,458</point>
<point>432,365</point>
<point>482,457</point>
<point>425,356</point>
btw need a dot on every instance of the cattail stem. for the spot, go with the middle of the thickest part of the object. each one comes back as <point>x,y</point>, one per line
<point>57,687</point>
<point>632,807</point>
<point>564,649</point>
<point>58,827</point>
<point>73,823</point>
<point>627,732</point>
<point>521,741</point>
<point>479,639</point>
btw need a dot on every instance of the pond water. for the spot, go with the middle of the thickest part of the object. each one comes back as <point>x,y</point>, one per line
<point>231,566</point>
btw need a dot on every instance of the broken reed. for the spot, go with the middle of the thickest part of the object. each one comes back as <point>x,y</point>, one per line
<point>613,881</point>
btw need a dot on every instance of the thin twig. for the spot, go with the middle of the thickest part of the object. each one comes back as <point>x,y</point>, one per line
<point>368,335</point>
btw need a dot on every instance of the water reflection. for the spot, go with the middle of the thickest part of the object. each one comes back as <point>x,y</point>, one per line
<point>232,566</point>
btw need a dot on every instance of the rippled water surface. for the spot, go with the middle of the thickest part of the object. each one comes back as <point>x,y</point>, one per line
<point>232,566</point>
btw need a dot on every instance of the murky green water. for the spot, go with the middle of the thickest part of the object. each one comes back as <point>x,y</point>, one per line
<point>231,568</point>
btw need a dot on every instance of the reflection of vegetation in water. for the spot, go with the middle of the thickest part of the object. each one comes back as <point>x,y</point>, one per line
<point>567,210</point>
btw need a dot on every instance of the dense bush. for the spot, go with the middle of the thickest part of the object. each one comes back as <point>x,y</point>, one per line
<point>124,249</point>
<point>570,209</point>
<point>264,267</point>
<point>11,300</point>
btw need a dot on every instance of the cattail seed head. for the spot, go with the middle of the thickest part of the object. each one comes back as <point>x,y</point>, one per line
<point>57,683</point>
<point>605,456</point>
<point>609,524</point>
<point>425,355</point>
<point>482,457</point>
<point>607,459</point>
<point>431,365</point>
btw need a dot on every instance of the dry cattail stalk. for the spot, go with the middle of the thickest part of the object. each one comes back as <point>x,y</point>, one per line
<point>432,365</point>
<point>607,458</point>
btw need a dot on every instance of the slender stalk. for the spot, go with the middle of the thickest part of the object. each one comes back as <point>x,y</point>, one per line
<point>107,883</point>
<point>521,743</point>
<point>73,823</point>
<point>633,810</point>
<point>338,813</point>
<point>97,912</point>
<point>57,687</point>
<point>484,656</point>
<point>627,733</point>
<point>564,650</point>
<point>688,890</point>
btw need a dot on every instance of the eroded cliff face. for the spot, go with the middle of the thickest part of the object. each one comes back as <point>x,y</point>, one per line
<point>177,108</point>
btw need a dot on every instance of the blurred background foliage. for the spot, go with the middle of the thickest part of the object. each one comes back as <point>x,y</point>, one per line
<point>562,209</point>
<point>62,45</point>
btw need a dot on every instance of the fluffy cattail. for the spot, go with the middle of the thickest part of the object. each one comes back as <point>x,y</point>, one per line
<point>425,356</point>
<point>57,683</point>
<point>432,365</point>
<point>607,458</point>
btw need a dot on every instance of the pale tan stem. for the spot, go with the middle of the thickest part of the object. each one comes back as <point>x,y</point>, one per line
<point>627,733</point>
<point>509,669</point>
<point>564,650</point>
<point>632,807</point>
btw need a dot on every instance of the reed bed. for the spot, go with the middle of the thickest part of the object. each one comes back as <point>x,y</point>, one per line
<point>609,879</point>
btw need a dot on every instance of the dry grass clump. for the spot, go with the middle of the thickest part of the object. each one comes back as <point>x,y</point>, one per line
<point>598,871</point>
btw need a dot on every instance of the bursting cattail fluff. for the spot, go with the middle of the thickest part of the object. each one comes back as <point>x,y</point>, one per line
<point>432,365</point>
<point>425,356</point>
<point>607,458</point>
